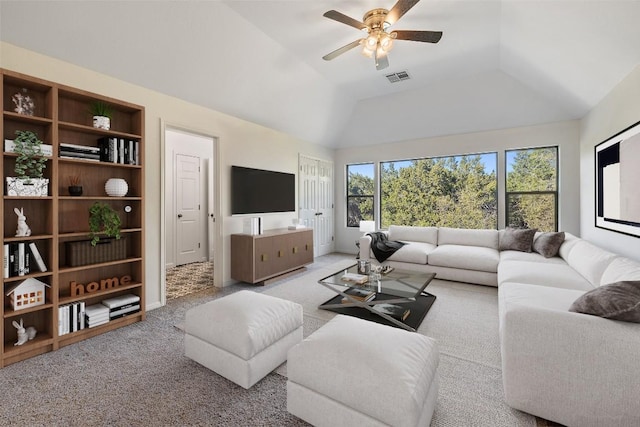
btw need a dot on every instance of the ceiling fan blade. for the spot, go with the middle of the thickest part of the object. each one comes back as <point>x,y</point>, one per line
<point>382,61</point>
<point>418,36</point>
<point>399,9</point>
<point>341,17</point>
<point>343,49</point>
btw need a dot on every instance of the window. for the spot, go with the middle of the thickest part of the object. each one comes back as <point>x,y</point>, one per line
<point>456,191</point>
<point>532,188</point>
<point>360,191</point>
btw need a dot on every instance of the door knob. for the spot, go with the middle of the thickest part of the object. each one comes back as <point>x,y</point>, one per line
<point>179,215</point>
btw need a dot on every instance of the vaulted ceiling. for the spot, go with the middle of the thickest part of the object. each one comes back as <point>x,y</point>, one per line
<point>499,64</point>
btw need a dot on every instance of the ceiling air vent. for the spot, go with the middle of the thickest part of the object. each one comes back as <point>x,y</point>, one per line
<point>398,77</point>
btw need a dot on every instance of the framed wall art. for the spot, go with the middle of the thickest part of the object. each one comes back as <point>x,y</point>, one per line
<point>617,163</point>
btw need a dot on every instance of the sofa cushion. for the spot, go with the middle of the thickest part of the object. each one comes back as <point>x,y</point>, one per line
<point>548,244</point>
<point>467,237</point>
<point>405,233</point>
<point>465,257</point>
<point>551,274</point>
<point>616,301</point>
<point>528,256</point>
<point>590,261</point>
<point>413,252</point>
<point>569,242</point>
<point>513,239</point>
<point>621,269</point>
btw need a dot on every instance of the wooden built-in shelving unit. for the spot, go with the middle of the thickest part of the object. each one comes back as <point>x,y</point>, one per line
<point>62,116</point>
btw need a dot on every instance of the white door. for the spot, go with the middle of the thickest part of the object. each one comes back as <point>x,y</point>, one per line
<point>315,202</point>
<point>324,225</point>
<point>188,225</point>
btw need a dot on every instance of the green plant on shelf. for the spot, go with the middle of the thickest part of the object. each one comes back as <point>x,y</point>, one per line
<point>99,108</point>
<point>30,162</point>
<point>103,219</point>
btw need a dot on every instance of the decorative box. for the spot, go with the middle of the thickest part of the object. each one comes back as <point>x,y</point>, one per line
<point>107,249</point>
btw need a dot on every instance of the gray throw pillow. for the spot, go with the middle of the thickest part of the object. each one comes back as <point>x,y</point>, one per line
<point>514,239</point>
<point>548,244</point>
<point>616,301</point>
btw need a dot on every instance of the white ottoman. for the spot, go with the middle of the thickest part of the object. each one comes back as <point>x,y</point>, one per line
<point>352,372</point>
<point>243,336</point>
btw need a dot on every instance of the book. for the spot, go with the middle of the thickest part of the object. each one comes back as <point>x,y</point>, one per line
<point>79,155</point>
<point>124,311</point>
<point>355,278</point>
<point>359,294</point>
<point>10,147</point>
<point>5,260</point>
<point>21,259</point>
<point>37,257</point>
<point>120,301</point>
<point>398,312</point>
<point>79,148</point>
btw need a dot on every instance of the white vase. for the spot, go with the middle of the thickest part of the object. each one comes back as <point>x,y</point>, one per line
<point>101,122</point>
<point>116,187</point>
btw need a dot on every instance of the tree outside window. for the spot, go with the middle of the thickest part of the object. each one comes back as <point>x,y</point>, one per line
<point>456,191</point>
<point>360,193</point>
<point>532,188</point>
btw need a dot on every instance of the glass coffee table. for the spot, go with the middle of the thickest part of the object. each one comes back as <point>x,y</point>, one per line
<point>399,298</point>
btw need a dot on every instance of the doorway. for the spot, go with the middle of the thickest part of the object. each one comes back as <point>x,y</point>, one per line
<point>315,200</point>
<point>189,217</point>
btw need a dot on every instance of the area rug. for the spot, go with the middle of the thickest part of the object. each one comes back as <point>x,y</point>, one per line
<point>464,322</point>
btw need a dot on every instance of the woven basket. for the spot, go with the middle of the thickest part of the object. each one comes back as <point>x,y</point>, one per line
<point>82,253</point>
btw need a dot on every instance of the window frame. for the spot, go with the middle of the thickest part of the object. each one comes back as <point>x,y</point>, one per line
<point>350,196</point>
<point>555,194</point>
<point>482,153</point>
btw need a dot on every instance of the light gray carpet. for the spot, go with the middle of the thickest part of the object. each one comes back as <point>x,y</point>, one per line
<point>138,375</point>
<point>464,321</point>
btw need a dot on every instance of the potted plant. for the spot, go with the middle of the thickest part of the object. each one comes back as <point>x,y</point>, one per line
<point>30,166</point>
<point>103,219</point>
<point>101,113</point>
<point>75,189</point>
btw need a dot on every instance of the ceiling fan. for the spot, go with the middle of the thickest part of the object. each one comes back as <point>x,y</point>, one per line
<point>379,41</point>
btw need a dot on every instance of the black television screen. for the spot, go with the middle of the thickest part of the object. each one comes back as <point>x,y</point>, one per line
<point>261,191</point>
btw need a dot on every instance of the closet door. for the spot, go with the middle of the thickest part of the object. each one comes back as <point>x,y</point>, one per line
<point>315,201</point>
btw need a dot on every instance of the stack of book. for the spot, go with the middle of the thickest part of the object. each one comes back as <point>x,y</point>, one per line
<point>398,312</point>
<point>96,315</point>
<point>21,258</point>
<point>355,278</point>
<point>79,152</point>
<point>359,294</point>
<point>119,150</point>
<point>71,318</point>
<point>122,305</point>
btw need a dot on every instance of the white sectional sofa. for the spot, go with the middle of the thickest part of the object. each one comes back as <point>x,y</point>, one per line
<point>571,368</point>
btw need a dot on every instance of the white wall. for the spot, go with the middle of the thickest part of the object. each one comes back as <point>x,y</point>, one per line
<point>617,111</point>
<point>564,134</point>
<point>241,143</point>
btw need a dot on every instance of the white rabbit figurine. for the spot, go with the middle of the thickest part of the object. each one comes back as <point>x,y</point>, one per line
<point>31,332</point>
<point>23,229</point>
<point>22,334</point>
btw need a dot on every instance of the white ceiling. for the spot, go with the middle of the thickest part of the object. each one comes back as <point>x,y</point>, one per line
<point>499,64</point>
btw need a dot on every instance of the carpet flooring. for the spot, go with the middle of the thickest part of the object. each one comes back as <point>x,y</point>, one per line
<point>138,375</point>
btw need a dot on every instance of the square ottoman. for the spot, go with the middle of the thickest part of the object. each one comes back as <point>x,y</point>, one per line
<point>243,336</point>
<point>355,372</point>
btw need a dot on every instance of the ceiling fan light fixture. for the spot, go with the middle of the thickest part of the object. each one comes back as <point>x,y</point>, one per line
<point>386,42</point>
<point>371,42</point>
<point>367,52</point>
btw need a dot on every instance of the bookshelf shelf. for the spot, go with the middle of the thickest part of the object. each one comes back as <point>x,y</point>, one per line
<point>61,118</point>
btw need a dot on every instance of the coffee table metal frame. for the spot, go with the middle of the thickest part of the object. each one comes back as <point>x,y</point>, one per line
<point>402,285</point>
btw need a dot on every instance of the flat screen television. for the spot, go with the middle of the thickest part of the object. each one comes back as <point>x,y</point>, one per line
<point>261,191</point>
